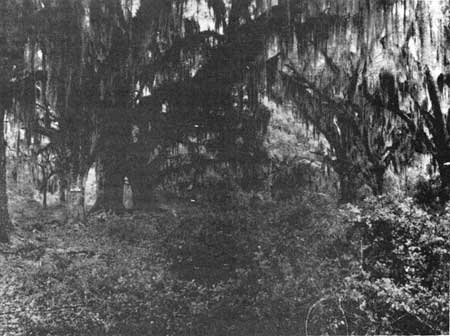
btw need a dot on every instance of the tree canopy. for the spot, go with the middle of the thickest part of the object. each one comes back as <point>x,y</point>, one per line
<point>152,90</point>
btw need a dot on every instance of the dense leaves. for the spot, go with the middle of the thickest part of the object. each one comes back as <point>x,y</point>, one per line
<point>402,286</point>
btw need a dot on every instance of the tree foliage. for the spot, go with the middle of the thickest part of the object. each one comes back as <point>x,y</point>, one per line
<point>107,72</point>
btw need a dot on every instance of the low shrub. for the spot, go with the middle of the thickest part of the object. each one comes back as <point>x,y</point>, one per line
<point>401,286</point>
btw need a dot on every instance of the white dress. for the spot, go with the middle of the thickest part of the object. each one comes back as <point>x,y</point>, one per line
<point>127,196</point>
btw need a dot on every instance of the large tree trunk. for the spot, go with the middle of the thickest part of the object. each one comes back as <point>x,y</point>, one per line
<point>62,189</point>
<point>378,185</point>
<point>112,165</point>
<point>109,175</point>
<point>349,181</point>
<point>5,221</point>
<point>139,172</point>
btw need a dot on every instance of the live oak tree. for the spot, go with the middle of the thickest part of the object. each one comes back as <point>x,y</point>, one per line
<point>289,51</point>
<point>10,64</point>
<point>85,61</point>
<point>366,96</point>
<point>258,44</point>
<point>202,112</point>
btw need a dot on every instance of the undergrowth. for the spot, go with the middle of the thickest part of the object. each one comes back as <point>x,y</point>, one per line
<point>302,266</point>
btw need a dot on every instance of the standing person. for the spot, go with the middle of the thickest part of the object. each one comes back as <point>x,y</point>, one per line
<point>127,195</point>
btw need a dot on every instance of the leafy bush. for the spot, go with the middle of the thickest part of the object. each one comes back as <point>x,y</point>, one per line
<point>402,284</point>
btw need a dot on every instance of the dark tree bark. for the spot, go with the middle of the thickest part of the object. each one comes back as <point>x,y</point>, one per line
<point>439,127</point>
<point>379,179</point>
<point>62,189</point>
<point>349,181</point>
<point>109,175</point>
<point>111,164</point>
<point>5,221</point>
<point>78,171</point>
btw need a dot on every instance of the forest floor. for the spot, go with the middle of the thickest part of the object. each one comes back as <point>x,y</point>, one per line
<point>237,265</point>
<point>53,273</point>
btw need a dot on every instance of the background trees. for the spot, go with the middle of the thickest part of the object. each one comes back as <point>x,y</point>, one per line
<point>155,92</point>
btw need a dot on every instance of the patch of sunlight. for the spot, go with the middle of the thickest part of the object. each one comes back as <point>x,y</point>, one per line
<point>200,11</point>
